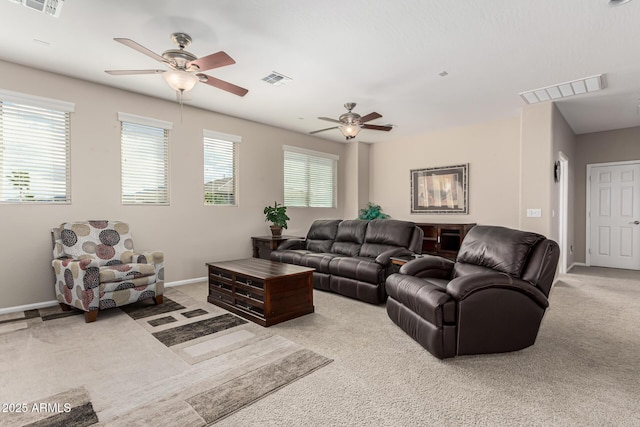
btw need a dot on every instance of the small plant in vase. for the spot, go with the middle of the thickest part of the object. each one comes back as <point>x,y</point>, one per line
<point>277,216</point>
<point>372,211</point>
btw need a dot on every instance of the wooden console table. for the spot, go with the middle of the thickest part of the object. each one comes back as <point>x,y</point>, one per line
<point>443,239</point>
<point>265,292</point>
<point>264,245</point>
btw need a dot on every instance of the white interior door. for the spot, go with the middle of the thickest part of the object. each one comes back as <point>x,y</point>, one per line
<point>615,215</point>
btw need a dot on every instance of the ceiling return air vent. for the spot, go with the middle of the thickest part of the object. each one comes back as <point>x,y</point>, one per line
<point>49,7</point>
<point>563,90</point>
<point>276,79</point>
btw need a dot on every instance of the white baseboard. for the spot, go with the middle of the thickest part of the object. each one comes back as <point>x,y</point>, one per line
<point>52,303</point>
<point>185,282</point>
<point>26,307</point>
<point>576,264</point>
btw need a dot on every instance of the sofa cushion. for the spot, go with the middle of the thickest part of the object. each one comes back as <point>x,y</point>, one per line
<point>321,235</point>
<point>349,237</point>
<point>114,273</point>
<point>318,261</point>
<point>359,268</point>
<point>498,248</point>
<point>109,242</point>
<point>385,234</point>
<point>290,256</point>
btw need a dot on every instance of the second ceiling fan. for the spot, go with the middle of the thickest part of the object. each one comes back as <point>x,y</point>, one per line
<point>350,123</point>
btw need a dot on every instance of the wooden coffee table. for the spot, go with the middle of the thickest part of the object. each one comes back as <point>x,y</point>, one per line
<point>265,292</point>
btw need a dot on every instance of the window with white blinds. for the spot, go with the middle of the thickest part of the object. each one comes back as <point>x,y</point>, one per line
<point>34,149</point>
<point>310,178</point>
<point>220,168</point>
<point>144,160</point>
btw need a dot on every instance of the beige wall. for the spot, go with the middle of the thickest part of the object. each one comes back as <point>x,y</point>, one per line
<point>536,171</point>
<point>599,147</point>
<point>189,232</point>
<point>492,151</point>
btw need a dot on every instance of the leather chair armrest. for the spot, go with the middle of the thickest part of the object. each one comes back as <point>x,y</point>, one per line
<point>293,244</point>
<point>385,257</point>
<point>428,266</point>
<point>463,286</point>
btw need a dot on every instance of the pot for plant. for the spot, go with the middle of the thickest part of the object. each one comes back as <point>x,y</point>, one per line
<point>276,230</point>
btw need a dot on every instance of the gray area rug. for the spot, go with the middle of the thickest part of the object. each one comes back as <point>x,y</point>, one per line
<point>132,366</point>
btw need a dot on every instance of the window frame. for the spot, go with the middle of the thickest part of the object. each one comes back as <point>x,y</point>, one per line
<point>54,113</point>
<point>317,156</point>
<point>225,138</point>
<point>156,124</point>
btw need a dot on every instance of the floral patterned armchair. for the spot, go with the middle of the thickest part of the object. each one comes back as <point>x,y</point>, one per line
<point>97,268</point>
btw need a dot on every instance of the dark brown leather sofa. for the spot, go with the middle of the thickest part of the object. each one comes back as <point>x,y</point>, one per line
<point>490,300</point>
<point>352,257</point>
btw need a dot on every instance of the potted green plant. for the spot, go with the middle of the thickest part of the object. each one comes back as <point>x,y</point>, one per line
<point>277,216</point>
<point>372,212</point>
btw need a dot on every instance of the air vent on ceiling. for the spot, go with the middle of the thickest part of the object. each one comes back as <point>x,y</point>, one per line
<point>49,7</point>
<point>563,90</point>
<point>276,79</point>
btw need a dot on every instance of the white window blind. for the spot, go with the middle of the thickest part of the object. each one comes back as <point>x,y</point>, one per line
<point>145,160</point>
<point>310,178</point>
<point>220,168</point>
<point>34,149</point>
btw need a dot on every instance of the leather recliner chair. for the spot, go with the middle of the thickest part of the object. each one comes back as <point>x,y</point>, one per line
<point>490,300</point>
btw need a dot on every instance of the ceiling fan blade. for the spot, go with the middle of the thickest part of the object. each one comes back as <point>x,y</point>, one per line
<point>377,127</point>
<point>322,130</point>
<point>221,84</point>
<point>215,60</point>
<point>330,120</point>
<point>369,117</point>
<point>136,46</point>
<point>128,72</point>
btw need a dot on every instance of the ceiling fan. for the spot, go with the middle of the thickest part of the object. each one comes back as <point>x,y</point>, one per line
<point>184,67</point>
<point>350,123</point>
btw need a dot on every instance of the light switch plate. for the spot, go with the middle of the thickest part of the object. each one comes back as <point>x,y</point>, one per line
<point>534,213</point>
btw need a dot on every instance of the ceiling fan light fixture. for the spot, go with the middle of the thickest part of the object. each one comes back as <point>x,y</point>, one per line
<point>180,80</point>
<point>350,130</point>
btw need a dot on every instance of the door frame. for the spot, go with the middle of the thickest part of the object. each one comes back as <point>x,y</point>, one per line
<point>563,215</point>
<point>587,246</point>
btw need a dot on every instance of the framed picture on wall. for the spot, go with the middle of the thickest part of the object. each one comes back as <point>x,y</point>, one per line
<point>441,190</point>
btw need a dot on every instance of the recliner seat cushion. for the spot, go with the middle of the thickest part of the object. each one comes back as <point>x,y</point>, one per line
<point>318,261</point>
<point>289,256</point>
<point>499,248</point>
<point>358,268</point>
<point>114,273</point>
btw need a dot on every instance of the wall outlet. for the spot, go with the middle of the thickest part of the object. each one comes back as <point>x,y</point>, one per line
<point>534,213</point>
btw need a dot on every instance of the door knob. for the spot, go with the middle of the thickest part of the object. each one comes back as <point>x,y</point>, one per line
<point>636,222</point>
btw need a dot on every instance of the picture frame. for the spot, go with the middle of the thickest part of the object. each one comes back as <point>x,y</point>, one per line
<point>440,190</point>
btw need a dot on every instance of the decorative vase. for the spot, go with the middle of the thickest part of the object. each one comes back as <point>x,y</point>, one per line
<point>276,231</point>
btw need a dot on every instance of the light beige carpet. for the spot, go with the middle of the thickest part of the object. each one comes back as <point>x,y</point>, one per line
<point>582,371</point>
<point>184,363</point>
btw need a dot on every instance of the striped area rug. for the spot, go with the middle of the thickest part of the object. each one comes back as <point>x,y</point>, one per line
<point>230,363</point>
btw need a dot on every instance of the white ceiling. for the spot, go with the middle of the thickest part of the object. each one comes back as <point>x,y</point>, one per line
<point>384,55</point>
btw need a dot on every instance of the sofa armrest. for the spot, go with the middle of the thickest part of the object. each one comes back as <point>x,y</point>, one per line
<point>293,244</point>
<point>462,287</point>
<point>147,257</point>
<point>78,282</point>
<point>428,266</point>
<point>385,257</point>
